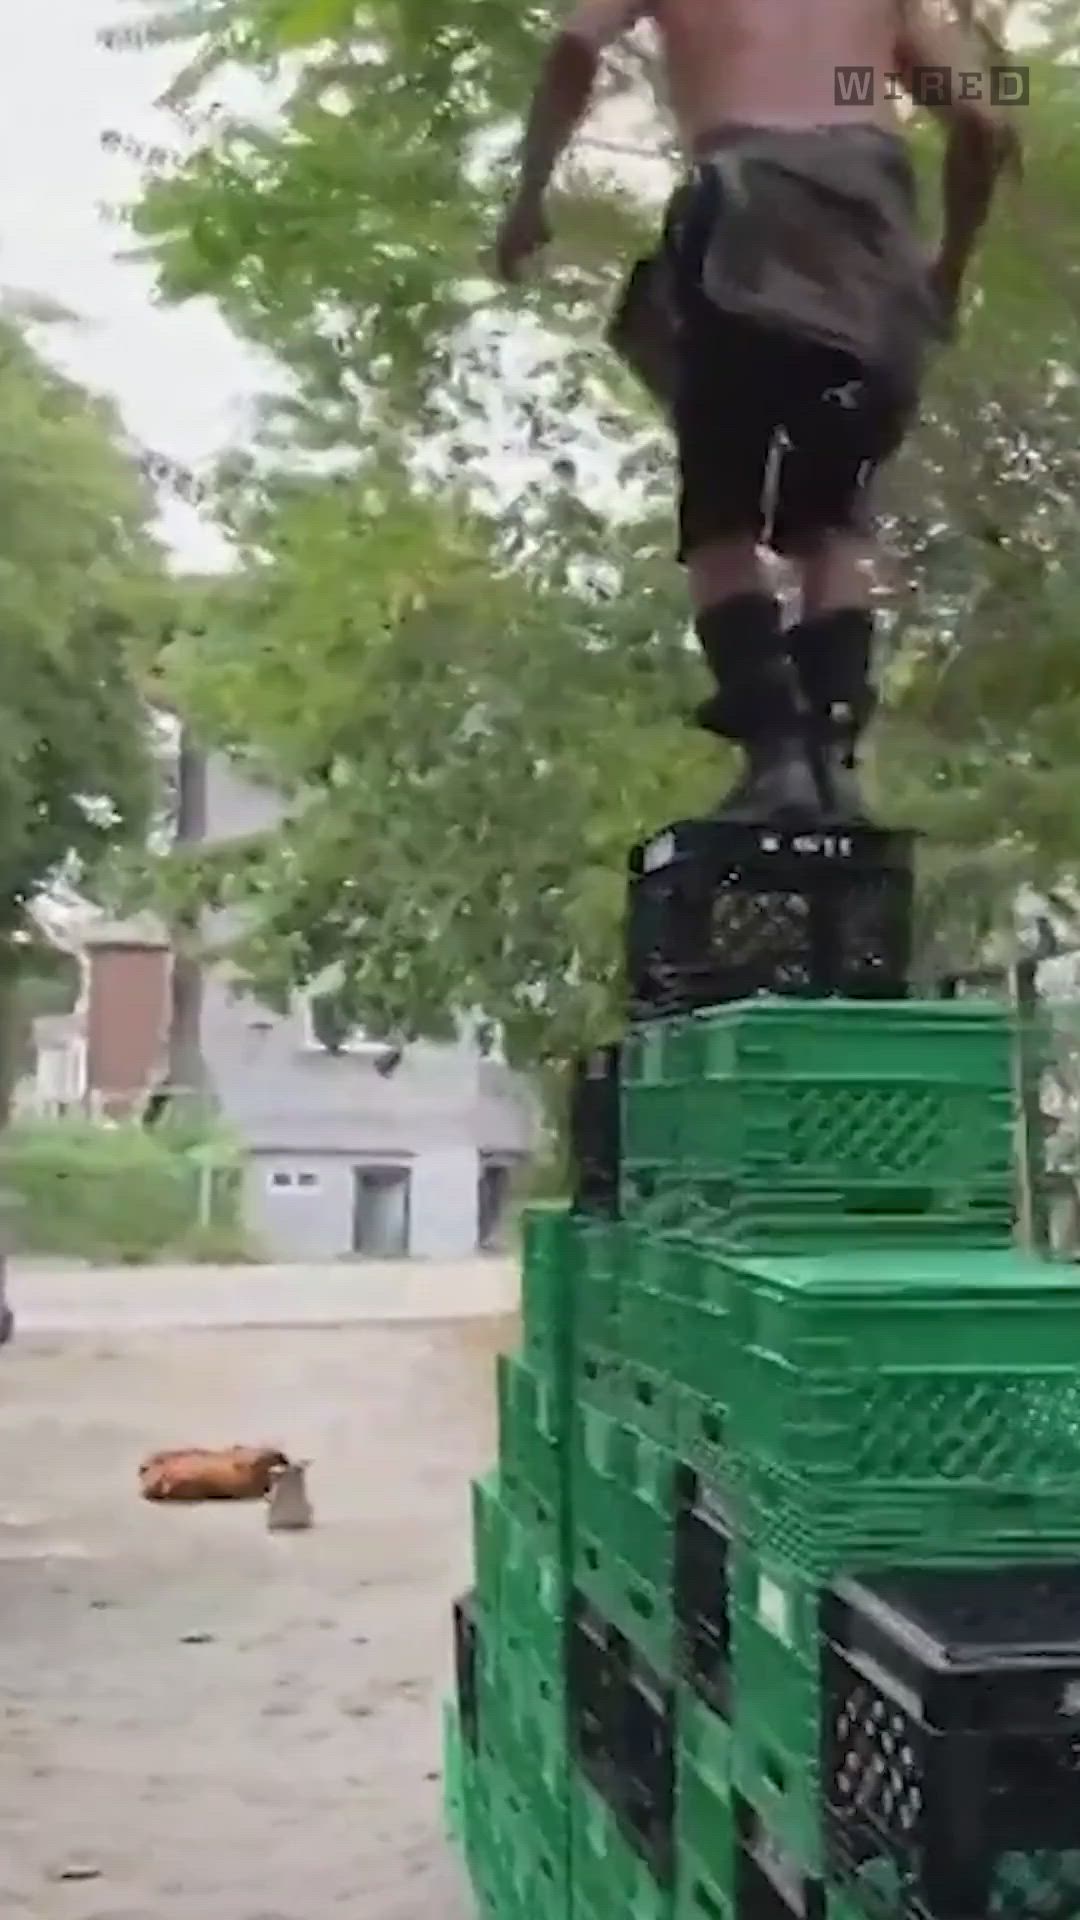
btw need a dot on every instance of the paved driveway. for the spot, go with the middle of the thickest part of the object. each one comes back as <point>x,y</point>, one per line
<point>76,1299</point>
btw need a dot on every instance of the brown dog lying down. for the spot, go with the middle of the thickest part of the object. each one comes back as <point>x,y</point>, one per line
<point>210,1473</point>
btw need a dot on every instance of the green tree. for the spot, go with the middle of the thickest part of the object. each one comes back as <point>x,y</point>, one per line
<point>471,693</point>
<point>466,759</point>
<point>77,575</point>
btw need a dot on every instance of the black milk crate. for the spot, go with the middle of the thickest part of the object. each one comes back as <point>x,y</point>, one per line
<point>622,1733</point>
<point>702,1611</point>
<point>646,1793</point>
<point>594,1132</point>
<point>596,1662</point>
<point>769,1883</point>
<point>951,1740</point>
<point>466,1661</point>
<point>718,911</point>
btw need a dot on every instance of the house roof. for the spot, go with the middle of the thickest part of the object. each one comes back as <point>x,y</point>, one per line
<point>57,1029</point>
<point>142,930</point>
<point>74,925</point>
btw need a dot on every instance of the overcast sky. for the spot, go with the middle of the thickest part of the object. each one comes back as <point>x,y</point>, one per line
<point>183,383</point>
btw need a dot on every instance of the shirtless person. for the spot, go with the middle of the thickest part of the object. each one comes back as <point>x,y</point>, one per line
<point>799,310</point>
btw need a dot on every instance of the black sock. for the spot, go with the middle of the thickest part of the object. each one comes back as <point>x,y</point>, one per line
<point>756,691</point>
<point>737,631</point>
<point>832,652</point>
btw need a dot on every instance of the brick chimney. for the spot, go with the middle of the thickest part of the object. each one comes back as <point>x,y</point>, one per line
<point>127,1014</point>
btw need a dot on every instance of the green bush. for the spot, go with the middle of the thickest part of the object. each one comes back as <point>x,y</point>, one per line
<point>88,1191</point>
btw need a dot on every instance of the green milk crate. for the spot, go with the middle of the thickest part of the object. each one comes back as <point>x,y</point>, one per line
<point>769,1218</point>
<point>524,1733</point>
<point>491,1520</point>
<point>637,1606</point>
<point>598,1380</point>
<point>625,1494</point>
<point>686,1287</point>
<point>646,1347</point>
<point>534,1596</point>
<point>909,1372</point>
<point>651,1097</point>
<point>601,1266</point>
<point>963,1043</point>
<point>649,1404</point>
<point>477,1823</point>
<point>608,1877</point>
<point>888,1120</point>
<point>646,1328</point>
<point>550,1275</point>
<point>702,1440</point>
<point>697,1897</point>
<point>534,1449</point>
<point>704,1816</point>
<point>777,1692</point>
<point>800,1125</point>
<point>683,1265</point>
<point>533,1877</point>
<point>852,1528</point>
<point>796,1091</point>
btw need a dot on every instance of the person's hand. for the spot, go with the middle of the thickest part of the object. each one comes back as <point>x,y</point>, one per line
<point>523,230</point>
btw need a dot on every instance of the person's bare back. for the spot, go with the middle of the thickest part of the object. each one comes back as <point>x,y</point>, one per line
<point>763,64</point>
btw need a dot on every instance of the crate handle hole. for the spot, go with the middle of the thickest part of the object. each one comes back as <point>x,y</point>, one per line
<point>705,1903</point>
<point>775,1774</point>
<point>907,1201</point>
<point>592,1558</point>
<point>712,1428</point>
<point>642,1605</point>
<point>644,1393</point>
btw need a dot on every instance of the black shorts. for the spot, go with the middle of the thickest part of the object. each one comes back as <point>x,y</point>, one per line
<point>778,436</point>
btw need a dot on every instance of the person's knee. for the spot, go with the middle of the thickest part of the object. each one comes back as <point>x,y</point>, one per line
<point>835,571</point>
<point>720,569</point>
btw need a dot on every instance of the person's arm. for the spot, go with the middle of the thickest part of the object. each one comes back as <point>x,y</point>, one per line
<point>972,166</point>
<point>981,138</point>
<point>562,99</point>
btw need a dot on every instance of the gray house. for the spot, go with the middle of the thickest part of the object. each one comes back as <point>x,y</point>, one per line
<point>345,1157</point>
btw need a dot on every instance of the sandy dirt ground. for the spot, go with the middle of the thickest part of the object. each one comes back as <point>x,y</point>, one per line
<point>200,1720</point>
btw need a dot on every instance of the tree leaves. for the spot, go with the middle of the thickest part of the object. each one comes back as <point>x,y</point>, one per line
<point>76,577</point>
<point>464,656</point>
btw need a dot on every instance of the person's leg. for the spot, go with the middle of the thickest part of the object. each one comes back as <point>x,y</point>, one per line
<point>832,649</point>
<point>843,427</point>
<point>725,427</point>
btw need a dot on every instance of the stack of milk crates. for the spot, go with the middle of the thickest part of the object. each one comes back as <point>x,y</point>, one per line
<point>785,1534</point>
<point>508,1761</point>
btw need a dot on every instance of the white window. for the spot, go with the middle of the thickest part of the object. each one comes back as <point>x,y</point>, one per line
<point>356,1041</point>
<point>279,1181</point>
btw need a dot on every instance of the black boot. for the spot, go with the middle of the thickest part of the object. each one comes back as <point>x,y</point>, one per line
<point>831,654</point>
<point>757,704</point>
